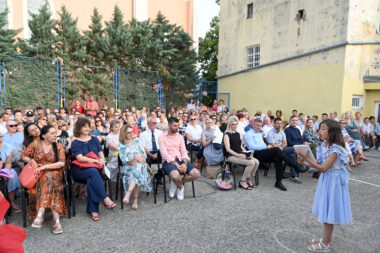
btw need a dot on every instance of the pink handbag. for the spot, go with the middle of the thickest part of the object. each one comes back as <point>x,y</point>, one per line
<point>27,178</point>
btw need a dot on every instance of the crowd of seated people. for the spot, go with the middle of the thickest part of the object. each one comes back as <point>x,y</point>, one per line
<point>144,136</point>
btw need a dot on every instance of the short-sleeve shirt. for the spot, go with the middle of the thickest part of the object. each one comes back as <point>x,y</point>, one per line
<point>276,137</point>
<point>14,140</point>
<point>195,132</point>
<point>84,147</point>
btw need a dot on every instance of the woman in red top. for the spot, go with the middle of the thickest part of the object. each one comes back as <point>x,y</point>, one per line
<point>77,107</point>
<point>215,105</point>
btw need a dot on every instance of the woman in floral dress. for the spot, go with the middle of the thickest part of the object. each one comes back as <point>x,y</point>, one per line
<point>48,192</point>
<point>135,168</point>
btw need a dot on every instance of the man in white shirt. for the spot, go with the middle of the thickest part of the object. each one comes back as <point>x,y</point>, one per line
<point>149,140</point>
<point>267,126</point>
<point>194,138</point>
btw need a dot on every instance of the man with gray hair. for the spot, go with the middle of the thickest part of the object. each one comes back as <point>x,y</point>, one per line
<point>149,140</point>
<point>334,116</point>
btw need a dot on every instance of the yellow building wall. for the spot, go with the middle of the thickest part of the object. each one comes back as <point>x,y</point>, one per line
<point>312,89</point>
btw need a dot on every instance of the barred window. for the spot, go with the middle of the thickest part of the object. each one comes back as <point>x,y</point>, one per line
<point>357,102</point>
<point>253,56</point>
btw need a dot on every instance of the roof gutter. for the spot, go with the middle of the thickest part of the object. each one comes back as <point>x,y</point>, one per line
<point>341,44</point>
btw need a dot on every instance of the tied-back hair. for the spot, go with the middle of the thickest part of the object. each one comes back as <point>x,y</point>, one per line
<point>335,133</point>
<point>44,131</point>
<point>123,133</point>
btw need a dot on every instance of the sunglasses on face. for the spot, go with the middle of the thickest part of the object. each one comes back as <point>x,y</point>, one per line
<point>12,125</point>
<point>193,119</point>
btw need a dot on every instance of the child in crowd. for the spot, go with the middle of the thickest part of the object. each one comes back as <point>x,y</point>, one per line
<point>332,201</point>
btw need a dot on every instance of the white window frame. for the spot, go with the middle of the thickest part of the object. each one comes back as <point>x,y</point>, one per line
<point>357,102</point>
<point>253,56</point>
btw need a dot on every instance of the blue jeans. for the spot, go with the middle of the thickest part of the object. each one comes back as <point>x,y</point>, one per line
<point>289,151</point>
<point>14,183</point>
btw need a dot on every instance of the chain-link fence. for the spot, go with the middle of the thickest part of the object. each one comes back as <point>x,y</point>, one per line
<point>138,88</point>
<point>30,82</point>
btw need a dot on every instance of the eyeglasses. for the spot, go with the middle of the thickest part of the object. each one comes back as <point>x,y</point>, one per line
<point>193,119</point>
<point>342,123</point>
<point>116,114</point>
<point>76,114</point>
<point>12,125</point>
<point>130,132</point>
<point>44,119</point>
<point>234,124</point>
<point>98,120</point>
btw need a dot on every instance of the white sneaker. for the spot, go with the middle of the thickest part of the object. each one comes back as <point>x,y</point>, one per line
<point>173,188</point>
<point>181,193</point>
<point>378,148</point>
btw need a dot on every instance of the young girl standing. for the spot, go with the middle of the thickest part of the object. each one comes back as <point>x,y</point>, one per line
<point>332,201</point>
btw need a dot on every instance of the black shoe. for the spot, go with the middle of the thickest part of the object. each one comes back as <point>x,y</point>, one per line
<point>280,186</point>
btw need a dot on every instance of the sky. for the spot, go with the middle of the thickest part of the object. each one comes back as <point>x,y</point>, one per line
<point>207,10</point>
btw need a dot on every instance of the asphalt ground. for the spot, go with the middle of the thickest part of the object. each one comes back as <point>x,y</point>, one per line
<point>262,220</point>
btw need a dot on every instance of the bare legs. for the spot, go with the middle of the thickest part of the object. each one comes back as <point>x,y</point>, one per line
<point>316,244</point>
<point>132,186</point>
<point>12,196</point>
<point>176,177</point>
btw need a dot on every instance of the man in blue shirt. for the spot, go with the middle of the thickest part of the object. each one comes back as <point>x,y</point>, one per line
<point>11,137</point>
<point>266,153</point>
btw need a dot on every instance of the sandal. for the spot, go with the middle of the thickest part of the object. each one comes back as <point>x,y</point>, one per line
<point>57,228</point>
<point>319,247</point>
<point>95,217</point>
<point>353,165</point>
<point>246,188</point>
<point>37,223</point>
<point>135,206</point>
<point>250,183</point>
<point>110,206</point>
<point>365,159</point>
<point>126,201</point>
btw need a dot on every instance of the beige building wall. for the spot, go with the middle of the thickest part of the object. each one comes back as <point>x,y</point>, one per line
<point>180,12</point>
<point>344,33</point>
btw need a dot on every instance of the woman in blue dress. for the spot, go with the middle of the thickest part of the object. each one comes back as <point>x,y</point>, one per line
<point>332,201</point>
<point>135,168</point>
<point>83,144</point>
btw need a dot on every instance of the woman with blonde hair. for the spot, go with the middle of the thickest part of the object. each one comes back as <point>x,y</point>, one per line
<point>236,153</point>
<point>135,168</point>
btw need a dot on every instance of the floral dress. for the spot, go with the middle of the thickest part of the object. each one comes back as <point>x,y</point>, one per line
<point>138,172</point>
<point>48,191</point>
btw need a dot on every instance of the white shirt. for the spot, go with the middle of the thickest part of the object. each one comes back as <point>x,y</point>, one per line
<point>368,128</point>
<point>3,129</point>
<point>221,108</point>
<point>240,129</point>
<point>195,132</point>
<point>146,138</point>
<point>266,130</point>
<point>112,138</point>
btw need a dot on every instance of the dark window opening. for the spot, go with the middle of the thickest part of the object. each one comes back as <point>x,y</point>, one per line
<point>250,10</point>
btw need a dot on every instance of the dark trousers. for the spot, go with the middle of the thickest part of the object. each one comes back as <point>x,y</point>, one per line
<point>199,150</point>
<point>276,156</point>
<point>96,191</point>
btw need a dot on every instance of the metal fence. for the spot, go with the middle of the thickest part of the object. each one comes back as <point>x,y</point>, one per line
<point>29,82</point>
<point>137,88</point>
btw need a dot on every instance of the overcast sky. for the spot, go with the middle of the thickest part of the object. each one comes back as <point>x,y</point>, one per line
<point>207,10</point>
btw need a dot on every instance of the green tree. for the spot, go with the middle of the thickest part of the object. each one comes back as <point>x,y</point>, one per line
<point>42,41</point>
<point>7,37</point>
<point>208,51</point>
<point>69,46</point>
<point>173,56</point>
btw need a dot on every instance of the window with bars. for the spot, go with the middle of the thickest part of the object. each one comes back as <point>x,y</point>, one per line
<point>357,102</point>
<point>249,10</point>
<point>253,56</point>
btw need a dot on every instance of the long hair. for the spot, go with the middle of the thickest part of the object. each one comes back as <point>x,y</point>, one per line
<point>334,133</point>
<point>44,131</point>
<point>27,138</point>
<point>230,121</point>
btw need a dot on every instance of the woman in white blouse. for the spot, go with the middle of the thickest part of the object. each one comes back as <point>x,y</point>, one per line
<point>112,143</point>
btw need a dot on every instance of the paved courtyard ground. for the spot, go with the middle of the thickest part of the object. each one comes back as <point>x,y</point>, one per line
<point>262,220</point>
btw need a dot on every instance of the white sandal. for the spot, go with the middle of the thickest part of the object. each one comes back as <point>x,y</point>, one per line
<point>57,228</point>
<point>319,247</point>
<point>37,223</point>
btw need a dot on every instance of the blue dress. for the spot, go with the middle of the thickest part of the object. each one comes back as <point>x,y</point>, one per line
<point>332,200</point>
<point>138,172</point>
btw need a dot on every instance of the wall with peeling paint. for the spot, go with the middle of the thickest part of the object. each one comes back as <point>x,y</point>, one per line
<point>315,83</point>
